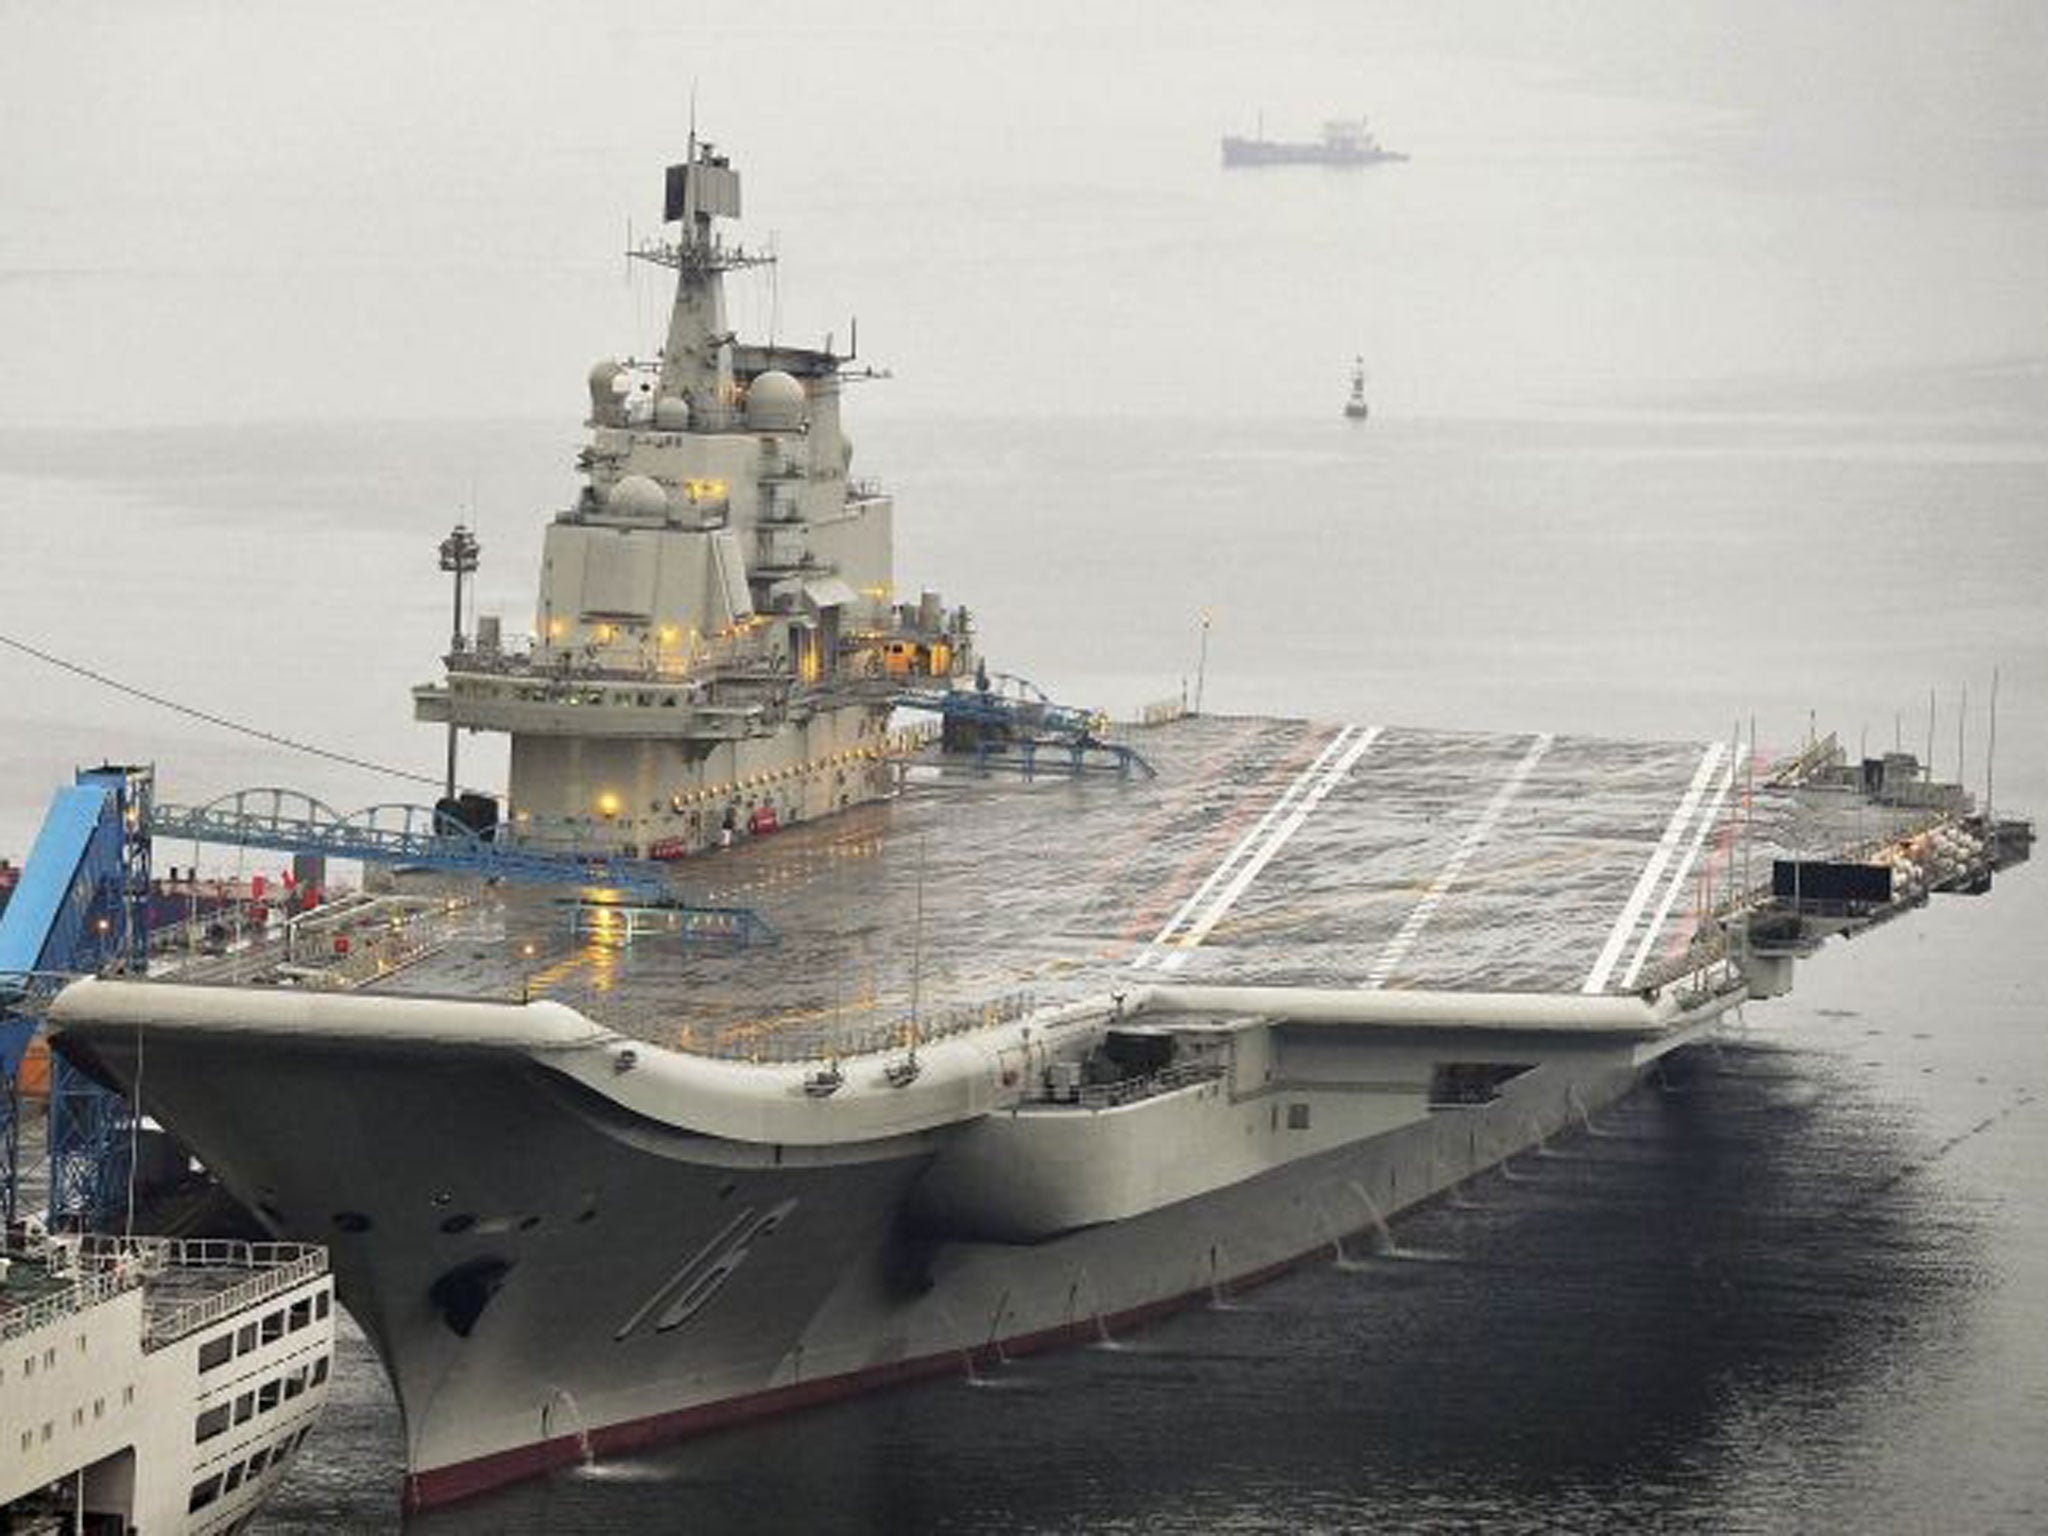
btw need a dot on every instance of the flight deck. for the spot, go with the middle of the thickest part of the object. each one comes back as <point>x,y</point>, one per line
<point>1270,852</point>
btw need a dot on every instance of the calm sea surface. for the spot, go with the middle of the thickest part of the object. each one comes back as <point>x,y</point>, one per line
<point>1710,377</point>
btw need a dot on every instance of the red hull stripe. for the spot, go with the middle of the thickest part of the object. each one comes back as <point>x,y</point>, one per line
<point>465,1479</point>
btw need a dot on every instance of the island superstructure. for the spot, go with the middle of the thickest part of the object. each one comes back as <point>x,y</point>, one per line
<point>1031,1061</point>
<point>717,642</point>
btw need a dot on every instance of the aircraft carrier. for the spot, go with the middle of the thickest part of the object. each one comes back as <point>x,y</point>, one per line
<point>942,1046</point>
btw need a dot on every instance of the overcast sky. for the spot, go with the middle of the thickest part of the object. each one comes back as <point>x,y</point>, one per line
<point>213,210</point>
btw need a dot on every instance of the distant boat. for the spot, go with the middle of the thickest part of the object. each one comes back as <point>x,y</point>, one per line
<point>1356,407</point>
<point>1345,141</point>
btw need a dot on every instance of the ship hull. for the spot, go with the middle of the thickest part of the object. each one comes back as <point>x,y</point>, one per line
<point>548,1276</point>
<point>1241,152</point>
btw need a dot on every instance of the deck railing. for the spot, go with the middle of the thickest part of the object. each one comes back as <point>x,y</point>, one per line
<point>902,1034</point>
<point>103,1266</point>
<point>1132,1089</point>
<point>84,1292</point>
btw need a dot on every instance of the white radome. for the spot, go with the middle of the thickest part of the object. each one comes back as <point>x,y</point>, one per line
<point>637,496</point>
<point>775,402</point>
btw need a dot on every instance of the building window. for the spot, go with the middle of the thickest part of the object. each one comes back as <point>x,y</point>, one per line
<point>210,1423</point>
<point>203,1494</point>
<point>273,1327</point>
<point>245,1339</point>
<point>234,1479</point>
<point>321,1304</point>
<point>259,1461</point>
<point>302,1313</point>
<point>266,1397</point>
<point>319,1370</point>
<point>216,1352</point>
<point>1297,1117</point>
<point>245,1407</point>
<point>295,1383</point>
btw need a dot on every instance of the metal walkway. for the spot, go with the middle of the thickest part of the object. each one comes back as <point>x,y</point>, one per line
<point>291,822</point>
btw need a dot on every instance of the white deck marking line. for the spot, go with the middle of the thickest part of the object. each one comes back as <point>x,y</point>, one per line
<point>1241,881</point>
<point>1699,837</point>
<point>1653,869</point>
<point>1398,946</point>
<point>1277,809</point>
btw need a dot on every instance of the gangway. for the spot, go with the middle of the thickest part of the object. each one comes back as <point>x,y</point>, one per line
<point>82,905</point>
<point>1007,722</point>
<point>425,837</point>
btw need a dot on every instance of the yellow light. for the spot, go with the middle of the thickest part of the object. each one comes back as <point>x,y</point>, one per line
<point>607,804</point>
<point>555,629</point>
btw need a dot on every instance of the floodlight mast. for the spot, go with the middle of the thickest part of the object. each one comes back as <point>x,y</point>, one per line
<point>459,553</point>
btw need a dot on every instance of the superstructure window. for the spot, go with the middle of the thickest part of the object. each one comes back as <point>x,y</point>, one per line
<point>245,1338</point>
<point>203,1494</point>
<point>1297,1117</point>
<point>216,1352</point>
<point>302,1313</point>
<point>210,1423</point>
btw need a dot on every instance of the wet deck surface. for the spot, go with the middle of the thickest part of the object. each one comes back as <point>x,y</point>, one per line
<point>1267,851</point>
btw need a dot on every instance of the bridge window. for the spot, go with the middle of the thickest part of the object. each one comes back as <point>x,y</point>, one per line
<point>216,1352</point>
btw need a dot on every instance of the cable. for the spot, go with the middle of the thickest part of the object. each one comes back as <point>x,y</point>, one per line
<point>212,719</point>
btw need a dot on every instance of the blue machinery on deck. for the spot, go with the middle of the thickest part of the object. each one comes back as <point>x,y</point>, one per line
<point>82,905</point>
<point>1012,726</point>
